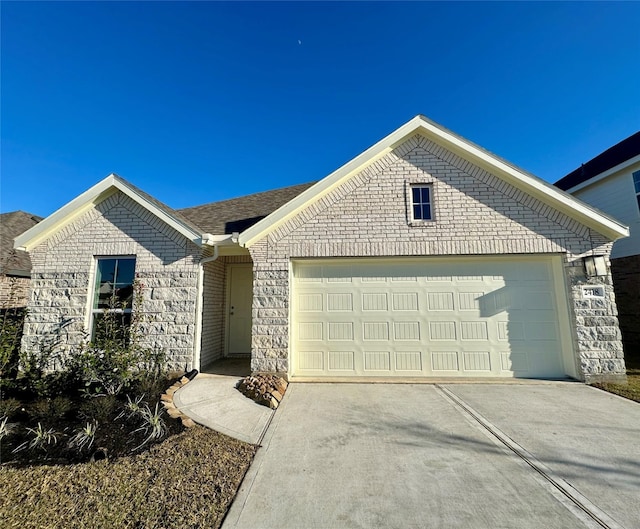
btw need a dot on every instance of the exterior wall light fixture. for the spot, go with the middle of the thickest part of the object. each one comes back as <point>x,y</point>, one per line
<point>595,265</point>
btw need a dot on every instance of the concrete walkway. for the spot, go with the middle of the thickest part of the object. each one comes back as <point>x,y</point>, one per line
<point>559,455</point>
<point>213,401</point>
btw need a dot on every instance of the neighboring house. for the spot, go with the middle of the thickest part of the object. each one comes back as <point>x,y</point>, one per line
<point>424,256</point>
<point>611,182</point>
<point>15,265</point>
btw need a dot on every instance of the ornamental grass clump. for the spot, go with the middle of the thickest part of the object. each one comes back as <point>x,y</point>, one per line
<point>153,425</point>
<point>41,438</point>
<point>83,438</point>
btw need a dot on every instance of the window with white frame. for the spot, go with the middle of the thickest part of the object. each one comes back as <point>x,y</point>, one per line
<point>112,298</point>
<point>421,202</point>
<point>636,184</point>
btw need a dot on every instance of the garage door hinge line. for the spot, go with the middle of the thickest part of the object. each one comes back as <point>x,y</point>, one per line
<point>594,513</point>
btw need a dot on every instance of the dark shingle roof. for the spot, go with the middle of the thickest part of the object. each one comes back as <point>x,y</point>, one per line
<point>619,153</point>
<point>15,262</point>
<point>160,205</point>
<point>238,214</point>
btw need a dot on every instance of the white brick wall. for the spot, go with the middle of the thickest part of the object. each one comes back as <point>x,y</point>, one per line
<point>166,265</point>
<point>475,213</point>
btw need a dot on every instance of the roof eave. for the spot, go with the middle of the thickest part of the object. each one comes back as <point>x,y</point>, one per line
<point>468,150</point>
<point>609,172</point>
<point>94,195</point>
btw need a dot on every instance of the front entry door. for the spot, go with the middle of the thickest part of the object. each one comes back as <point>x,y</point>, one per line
<point>239,296</point>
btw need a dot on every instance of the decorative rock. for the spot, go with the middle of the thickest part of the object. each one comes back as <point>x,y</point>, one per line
<point>267,390</point>
<point>187,422</point>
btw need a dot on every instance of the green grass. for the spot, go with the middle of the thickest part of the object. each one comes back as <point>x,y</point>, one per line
<point>630,390</point>
<point>189,480</point>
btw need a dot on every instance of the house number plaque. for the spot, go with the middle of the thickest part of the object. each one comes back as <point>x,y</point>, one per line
<point>593,292</point>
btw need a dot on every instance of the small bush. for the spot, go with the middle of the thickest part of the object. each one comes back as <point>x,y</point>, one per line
<point>101,409</point>
<point>11,325</point>
<point>51,410</point>
<point>9,407</point>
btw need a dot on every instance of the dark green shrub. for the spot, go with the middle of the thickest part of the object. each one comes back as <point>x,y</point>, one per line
<point>9,407</point>
<point>51,410</point>
<point>101,409</point>
<point>11,325</point>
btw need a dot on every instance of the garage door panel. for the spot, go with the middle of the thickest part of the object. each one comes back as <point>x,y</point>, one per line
<point>341,361</point>
<point>377,361</point>
<point>374,301</point>
<point>404,301</point>
<point>442,330</point>
<point>445,361</point>
<point>477,360</point>
<point>409,361</point>
<point>427,317</point>
<point>515,362</point>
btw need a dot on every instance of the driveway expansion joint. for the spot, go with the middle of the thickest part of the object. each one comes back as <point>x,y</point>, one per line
<point>583,508</point>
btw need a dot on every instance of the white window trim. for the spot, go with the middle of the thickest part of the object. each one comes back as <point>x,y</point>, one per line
<point>409,199</point>
<point>92,311</point>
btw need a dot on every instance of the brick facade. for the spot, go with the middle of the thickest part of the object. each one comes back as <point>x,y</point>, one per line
<point>14,291</point>
<point>63,270</point>
<point>475,213</point>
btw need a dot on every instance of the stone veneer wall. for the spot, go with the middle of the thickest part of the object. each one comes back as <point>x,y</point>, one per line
<point>626,282</point>
<point>14,291</point>
<point>475,212</point>
<point>63,269</point>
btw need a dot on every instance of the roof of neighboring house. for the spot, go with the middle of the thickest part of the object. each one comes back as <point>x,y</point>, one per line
<point>238,214</point>
<point>13,224</point>
<point>619,153</point>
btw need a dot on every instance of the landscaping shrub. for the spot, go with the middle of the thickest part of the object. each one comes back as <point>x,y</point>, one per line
<point>103,394</point>
<point>11,325</point>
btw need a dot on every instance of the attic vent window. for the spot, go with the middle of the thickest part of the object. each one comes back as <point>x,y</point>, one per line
<point>636,183</point>
<point>421,202</point>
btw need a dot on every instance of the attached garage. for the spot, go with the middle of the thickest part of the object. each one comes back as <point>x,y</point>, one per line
<point>430,317</point>
<point>428,257</point>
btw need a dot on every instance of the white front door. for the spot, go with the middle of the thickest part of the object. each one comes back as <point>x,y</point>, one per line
<point>239,301</point>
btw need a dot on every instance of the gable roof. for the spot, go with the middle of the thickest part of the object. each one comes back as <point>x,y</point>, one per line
<point>497,166</point>
<point>628,150</point>
<point>15,262</point>
<point>238,214</point>
<point>97,194</point>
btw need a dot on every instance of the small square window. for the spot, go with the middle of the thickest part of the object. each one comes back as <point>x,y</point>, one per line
<point>421,202</point>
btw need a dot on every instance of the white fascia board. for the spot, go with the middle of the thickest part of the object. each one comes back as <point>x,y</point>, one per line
<point>321,188</point>
<point>89,199</point>
<point>542,190</point>
<point>618,168</point>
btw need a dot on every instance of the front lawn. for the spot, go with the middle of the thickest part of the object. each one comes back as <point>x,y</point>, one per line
<point>188,480</point>
<point>630,390</point>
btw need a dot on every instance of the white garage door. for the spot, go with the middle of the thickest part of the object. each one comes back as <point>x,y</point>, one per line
<point>496,317</point>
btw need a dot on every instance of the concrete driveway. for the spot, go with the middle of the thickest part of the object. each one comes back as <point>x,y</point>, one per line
<point>554,455</point>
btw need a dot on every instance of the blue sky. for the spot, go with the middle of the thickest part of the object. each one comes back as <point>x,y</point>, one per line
<point>196,102</point>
